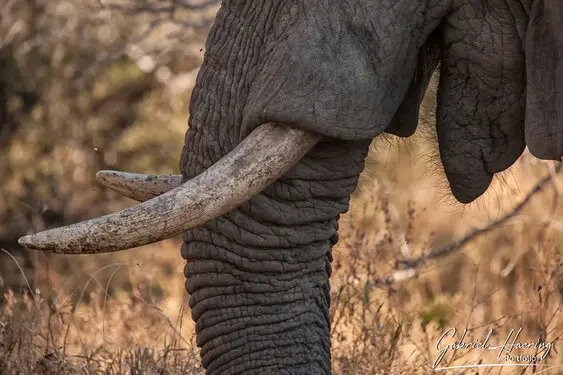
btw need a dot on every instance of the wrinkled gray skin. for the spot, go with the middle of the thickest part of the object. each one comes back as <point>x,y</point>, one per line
<point>349,70</point>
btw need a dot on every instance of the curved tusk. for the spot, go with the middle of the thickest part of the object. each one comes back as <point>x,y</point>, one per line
<point>260,159</point>
<point>140,187</point>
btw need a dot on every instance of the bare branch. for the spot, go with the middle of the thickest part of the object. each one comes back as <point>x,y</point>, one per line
<point>409,266</point>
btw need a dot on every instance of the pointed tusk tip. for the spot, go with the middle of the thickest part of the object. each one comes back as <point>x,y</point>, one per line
<point>34,242</point>
<point>26,241</point>
<point>107,177</point>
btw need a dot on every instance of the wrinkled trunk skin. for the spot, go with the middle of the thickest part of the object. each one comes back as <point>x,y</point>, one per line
<point>258,276</point>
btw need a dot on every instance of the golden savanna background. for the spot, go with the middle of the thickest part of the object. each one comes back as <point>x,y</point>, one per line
<point>105,84</point>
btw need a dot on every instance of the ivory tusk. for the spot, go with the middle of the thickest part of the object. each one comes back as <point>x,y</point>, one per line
<point>259,160</point>
<point>140,187</point>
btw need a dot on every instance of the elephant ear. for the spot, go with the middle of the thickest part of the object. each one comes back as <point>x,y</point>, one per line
<point>544,68</point>
<point>406,118</point>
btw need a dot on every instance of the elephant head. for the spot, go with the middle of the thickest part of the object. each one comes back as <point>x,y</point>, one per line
<point>286,103</point>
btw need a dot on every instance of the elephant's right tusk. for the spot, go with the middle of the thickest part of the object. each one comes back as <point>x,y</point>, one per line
<point>140,187</point>
<point>260,159</point>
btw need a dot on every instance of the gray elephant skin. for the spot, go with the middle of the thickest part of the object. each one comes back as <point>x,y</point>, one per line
<point>341,73</point>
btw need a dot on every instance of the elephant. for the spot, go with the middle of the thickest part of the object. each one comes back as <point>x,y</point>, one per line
<point>286,103</point>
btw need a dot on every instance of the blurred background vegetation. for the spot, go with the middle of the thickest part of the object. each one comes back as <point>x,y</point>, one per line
<point>91,84</point>
<point>86,86</point>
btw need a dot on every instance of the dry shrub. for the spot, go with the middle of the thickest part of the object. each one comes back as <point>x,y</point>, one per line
<point>509,278</point>
<point>91,326</point>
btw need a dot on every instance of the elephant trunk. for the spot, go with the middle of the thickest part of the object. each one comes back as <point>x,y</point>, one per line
<point>261,309</point>
<point>258,276</point>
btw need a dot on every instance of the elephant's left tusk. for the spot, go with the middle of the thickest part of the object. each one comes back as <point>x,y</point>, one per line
<point>259,160</point>
<point>140,187</point>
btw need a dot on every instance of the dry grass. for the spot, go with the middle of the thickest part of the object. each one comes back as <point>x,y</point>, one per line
<point>509,278</point>
<point>126,314</point>
<point>119,314</point>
